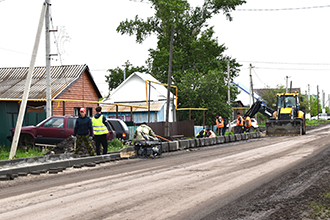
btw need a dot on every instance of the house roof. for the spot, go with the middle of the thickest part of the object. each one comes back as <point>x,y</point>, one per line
<point>134,89</point>
<point>12,80</point>
<point>154,106</point>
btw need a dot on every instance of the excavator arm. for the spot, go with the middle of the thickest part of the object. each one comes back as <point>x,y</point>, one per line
<point>258,106</point>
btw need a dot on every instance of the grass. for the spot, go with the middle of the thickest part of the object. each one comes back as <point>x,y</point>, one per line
<point>20,153</point>
<point>315,122</point>
<point>114,145</point>
<point>320,209</point>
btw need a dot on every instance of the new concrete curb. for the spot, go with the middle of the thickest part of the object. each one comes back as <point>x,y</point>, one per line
<point>11,169</point>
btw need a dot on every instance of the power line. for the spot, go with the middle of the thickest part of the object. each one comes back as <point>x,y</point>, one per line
<point>286,63</point>
<point>249,9</point>
<point>285,9</point>
<point>292,69</point>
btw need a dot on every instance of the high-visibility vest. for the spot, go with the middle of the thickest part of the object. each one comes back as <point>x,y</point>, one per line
<point>199,133</point>
<point>239,121</point>
<point>98,127</point>
<point>212,134</point>
<point>219,122</point>
<point>248,121</point>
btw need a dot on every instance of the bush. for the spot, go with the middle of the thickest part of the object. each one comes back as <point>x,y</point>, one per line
<point>115,145</point>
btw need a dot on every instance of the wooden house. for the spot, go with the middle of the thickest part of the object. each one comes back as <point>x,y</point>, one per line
<point>72,87</point>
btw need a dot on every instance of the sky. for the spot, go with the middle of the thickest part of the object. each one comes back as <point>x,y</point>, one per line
<point>283,40</point>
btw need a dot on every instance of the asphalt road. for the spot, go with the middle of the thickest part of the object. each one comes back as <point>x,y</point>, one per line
<point>192,184</point>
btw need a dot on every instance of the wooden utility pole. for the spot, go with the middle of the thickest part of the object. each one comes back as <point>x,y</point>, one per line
<point>27,86</point>
<point>48,80</point>
<point>228,84</point>
<point>167,130</point>
<point>318,108</point>
<point>251,86</point>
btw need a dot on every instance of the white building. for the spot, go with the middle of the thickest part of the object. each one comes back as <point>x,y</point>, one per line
<point>135,90</point>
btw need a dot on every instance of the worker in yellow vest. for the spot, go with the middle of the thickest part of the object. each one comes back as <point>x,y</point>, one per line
<point>220,124</point>
<point>100,131</point>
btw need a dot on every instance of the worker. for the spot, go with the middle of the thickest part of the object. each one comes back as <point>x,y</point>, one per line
<point>83,132</point>
<point>239,123</point>
<point>100,131</point>
<point>224,126</point>
<point>220,124</point>
<point>201,134</point>
<point>143,133</point>
<point>210,133</point>
<point>247,124</point>
<point>144,130</point>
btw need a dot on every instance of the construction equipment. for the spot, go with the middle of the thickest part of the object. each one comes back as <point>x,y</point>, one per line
<point>288,119</point>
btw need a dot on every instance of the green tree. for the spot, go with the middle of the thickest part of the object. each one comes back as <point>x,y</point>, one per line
<point>199,67</point>
<point>314,108</point>
<point>269,95</point>
<point>116,76</point>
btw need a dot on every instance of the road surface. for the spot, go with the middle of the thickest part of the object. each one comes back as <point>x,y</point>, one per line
<point>191,184</point>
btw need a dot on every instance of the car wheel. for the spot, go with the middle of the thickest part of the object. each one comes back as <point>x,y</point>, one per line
<point>26,141</point>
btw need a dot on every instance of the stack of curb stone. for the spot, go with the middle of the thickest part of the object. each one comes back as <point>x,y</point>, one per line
<point>11,169</point>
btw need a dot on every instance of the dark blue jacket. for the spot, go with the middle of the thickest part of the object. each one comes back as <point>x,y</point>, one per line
<point>83,126</point>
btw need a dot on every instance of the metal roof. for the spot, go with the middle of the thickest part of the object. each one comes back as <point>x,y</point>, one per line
<point>12,80</point>
<point>154,106</point>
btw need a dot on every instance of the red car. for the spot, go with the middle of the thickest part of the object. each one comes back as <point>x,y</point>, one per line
<point>52,130</point>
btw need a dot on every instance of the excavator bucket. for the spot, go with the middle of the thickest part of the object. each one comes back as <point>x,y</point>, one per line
<point>284,127</point>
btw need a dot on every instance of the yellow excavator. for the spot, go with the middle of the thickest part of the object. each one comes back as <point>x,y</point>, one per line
<point>288,119</point>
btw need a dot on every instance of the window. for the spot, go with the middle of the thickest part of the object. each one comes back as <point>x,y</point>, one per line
<point>54,123</point>
<point>76,111</point>
<point>72,122</point>
<point>89,111</point>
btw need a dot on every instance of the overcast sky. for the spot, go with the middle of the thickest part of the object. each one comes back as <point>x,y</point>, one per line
<point>279,38</point>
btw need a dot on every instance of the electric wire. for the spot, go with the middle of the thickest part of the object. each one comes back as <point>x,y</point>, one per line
<point>250,9</point>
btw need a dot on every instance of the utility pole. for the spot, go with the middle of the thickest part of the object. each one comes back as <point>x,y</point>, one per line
<point>228,84</point>
<point>251,86</point>
<point>286,85</point>
<point>318,108</point>
<point>309,101</point>
<point>27,86</point>
<point>167,130</point>
<point>323,101</point>
<point>48,79</point>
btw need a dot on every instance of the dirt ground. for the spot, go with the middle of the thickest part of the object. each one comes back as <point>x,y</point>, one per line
<point>293,195</point>
<point>266,178</point>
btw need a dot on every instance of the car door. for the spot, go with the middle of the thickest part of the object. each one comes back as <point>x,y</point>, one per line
<point>52,131</point>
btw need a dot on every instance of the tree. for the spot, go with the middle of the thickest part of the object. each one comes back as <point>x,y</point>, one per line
<point>197,57</point>
<point>116,76</point>
<point>269,95</point>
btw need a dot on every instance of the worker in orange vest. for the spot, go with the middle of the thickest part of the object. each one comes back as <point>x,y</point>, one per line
<point>220,124</point>
<point>247,123</point>
<point>210,133</point>
<point>239,123</point>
